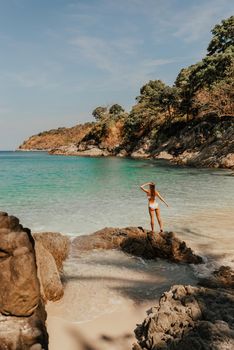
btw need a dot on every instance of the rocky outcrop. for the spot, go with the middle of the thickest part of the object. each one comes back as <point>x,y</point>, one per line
<point>51,250</point>
<point>202,142</point>
<point>206,142</point>
<point>22,313</point>
<point>192,317</point>
<point>56,138</point>
<point>138,242</point>
<point>88,151</point>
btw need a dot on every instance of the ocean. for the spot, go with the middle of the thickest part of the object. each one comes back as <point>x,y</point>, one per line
<point>79,195</point>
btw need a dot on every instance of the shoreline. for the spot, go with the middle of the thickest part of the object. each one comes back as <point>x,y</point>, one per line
<point>99,287</point>
<point>148,157</point>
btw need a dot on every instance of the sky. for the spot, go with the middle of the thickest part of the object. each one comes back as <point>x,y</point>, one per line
<point>59,59</point>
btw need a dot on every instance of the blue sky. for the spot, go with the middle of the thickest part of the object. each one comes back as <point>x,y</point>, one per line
<point>59,59</point>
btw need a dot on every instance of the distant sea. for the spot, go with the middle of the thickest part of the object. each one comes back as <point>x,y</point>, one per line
<point>78,195</point>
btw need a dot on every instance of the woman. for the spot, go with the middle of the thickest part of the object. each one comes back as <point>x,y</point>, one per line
<point>152,194</point>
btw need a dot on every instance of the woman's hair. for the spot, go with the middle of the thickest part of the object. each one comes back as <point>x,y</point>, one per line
<point>152,190</point>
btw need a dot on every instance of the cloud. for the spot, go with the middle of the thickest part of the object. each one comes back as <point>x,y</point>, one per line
<point>159,62</point>
<point>95,50</point>
<point>191,24</point>
<point>29,79</point>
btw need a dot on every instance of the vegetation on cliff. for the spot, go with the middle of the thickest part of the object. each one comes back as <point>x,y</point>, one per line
<point>202,93</point>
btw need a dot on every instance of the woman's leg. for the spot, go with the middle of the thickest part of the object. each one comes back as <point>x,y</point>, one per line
<point>159,219</point>
<point>151,212</point>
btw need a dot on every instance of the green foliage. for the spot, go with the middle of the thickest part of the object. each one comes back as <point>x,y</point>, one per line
<point>116,110</point>
<point>159,96</point>
<point>99,112</point>
<point>202,87</point>
<point>223,36</point>
<point>151,92</point>
<point>214,68</point>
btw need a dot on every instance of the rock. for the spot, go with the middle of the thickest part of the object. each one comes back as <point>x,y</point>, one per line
<point>94,152</point>
<point>164,155</point>
<point>50,282</point>
<point>223,277</point>
<point>140,153</point>
<point>202,142</point>
<point>122,153</point>
<point>189,318</point>
<point>22,313</point>
<point>138,242</point>
<point>17,263</point>
<point>52,249</point>
<point>57,244</point>
<point>227,161</point>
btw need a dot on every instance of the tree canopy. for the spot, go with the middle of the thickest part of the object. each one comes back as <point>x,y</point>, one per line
<point>116,109</point>
<point>99,112</point>
<point>223,36</point>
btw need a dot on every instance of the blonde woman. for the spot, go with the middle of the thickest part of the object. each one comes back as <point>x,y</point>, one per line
<point>153,205</point>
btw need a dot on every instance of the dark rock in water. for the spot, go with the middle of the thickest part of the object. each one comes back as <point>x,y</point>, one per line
<point>138,242</point>
<point>22,314</point>
<point>223,277</point>
<point>189,318</point>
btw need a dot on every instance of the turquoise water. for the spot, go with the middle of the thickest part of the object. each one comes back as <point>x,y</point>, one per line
<point>77,195</point>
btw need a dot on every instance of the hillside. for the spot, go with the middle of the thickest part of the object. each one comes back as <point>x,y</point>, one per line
<point>188,123</point>
<point>54,138</point>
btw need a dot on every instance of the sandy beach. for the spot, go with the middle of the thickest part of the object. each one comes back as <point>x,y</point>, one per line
<point>106,294</point>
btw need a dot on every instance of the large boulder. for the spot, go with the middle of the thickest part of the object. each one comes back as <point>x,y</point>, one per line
<point>57,245</point>
<point>189,318</point>
<point>22,313</point>
<point>19,287</point>
<point>52,249</point>
<point>48,274</point>
<point>138,242</point>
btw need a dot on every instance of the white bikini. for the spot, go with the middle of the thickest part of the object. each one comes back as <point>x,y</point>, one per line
<point>153,205</point>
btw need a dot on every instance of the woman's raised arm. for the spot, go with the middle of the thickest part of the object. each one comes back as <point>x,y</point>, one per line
<point>146,184</point>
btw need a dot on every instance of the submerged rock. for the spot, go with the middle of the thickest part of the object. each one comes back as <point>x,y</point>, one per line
<point>138,242</point>
<point>223,277</point>
<point>22,313</point>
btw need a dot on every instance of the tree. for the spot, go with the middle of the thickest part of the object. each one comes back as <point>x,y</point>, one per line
<point>214,68</point>
<point>116,109</point>
<point>99,112</point>
<point>151,92</point>
<point>159,96</point>
<point>223,37</point>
